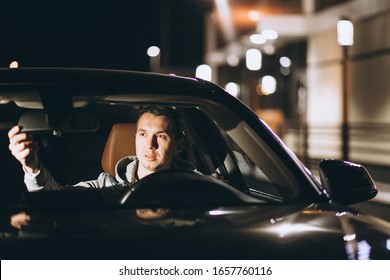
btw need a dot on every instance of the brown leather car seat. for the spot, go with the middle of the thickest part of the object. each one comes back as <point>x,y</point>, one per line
<point>120,143</point>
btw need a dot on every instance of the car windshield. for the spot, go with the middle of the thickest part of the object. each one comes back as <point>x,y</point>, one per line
<point>220,143</point>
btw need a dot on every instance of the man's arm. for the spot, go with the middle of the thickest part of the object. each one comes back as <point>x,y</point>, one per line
<point>36,176</point>
<point>41,180</point>
<point>25,150</point>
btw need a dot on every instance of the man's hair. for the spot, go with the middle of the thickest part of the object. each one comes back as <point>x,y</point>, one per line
<point>170,113</point>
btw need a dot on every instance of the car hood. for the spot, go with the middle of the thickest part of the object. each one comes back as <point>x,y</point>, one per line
<point>250,232</point>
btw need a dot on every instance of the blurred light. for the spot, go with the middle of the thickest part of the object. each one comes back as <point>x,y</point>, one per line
<point>349,237</point>
<point>341,214</point>
<point>254,15</point>
<point>233,60</point>
<point>233,89</point>
<point>285,61</point>
<point>204,72</point>
<point>364,250</point>
<point>269,49</point>
<point>268,85</point>
<point>257,39</point>
<point>153,51</point>
<point>223,212</point>
<point>388,244</point>
<point>345,32</point>
<point>287,230</point>
<point>14,64</point>
<point>350,251</point>
<point>224,14</point>
<point>216,57</point>
<point>253,59</point>
<point>270,34</point>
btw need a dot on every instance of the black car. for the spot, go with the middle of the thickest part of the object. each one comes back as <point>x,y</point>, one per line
<point>247,197</point>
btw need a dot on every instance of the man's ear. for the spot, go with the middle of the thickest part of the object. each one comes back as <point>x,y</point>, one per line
<point>180,146</point>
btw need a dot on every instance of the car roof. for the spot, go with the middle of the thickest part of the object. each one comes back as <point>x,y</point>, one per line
<point>27,87</point>
<point>106,79</point>
<point>18,85</point>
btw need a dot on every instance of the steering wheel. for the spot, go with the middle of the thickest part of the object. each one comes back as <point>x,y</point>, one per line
<point>182,187</point>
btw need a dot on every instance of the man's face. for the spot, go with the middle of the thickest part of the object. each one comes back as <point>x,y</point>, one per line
<point>155,143</point>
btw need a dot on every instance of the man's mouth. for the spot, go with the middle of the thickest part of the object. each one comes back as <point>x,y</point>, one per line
<point>150,156</point>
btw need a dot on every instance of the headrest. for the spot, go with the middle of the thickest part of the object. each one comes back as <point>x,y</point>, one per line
<point>120,143</point>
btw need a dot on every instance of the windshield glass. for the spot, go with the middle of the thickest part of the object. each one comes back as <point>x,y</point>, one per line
<point>242,153</point>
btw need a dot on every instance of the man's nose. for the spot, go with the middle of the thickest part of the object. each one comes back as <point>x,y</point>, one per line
<point>152,142</point>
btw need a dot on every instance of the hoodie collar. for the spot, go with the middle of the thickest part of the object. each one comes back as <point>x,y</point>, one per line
<point>126,170</point>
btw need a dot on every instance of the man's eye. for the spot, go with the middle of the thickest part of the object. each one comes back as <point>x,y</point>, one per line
<point>162,136</point>
<point>141,133</point>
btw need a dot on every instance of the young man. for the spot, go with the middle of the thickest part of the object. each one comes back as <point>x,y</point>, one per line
<point>159,137</point>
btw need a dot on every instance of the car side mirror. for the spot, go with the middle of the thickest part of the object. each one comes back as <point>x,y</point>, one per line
<point>347,182</point>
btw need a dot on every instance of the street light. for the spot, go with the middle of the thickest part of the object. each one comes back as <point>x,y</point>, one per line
<point>345,39</point>
<point>204,72</point>
<point>14,64</point>
<point>154,56</point>
<point>345,32</point>
<point>253,59</point>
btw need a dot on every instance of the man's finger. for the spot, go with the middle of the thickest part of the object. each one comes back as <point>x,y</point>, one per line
<point>13,131</point>
<point>22,154</point>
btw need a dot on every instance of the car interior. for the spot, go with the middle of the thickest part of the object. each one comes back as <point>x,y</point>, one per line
<point>102,132</point>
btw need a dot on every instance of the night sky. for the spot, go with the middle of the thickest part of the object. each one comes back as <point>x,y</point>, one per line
<point>100,34</point>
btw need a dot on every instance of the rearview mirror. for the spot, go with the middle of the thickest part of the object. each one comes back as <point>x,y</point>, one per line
<point>347,182</point>
<point>38,122</point>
